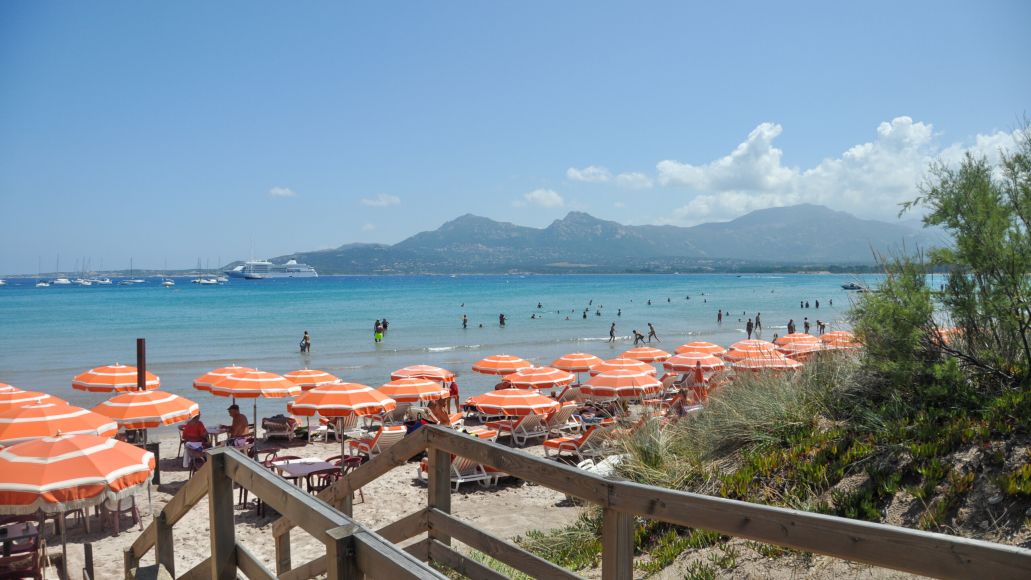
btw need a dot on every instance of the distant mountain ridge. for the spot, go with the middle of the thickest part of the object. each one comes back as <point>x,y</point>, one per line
<point>802,235</point>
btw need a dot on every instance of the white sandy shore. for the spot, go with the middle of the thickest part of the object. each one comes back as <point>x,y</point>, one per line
<point>505,511</point>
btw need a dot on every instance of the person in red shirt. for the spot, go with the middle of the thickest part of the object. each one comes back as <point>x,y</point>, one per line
<point>195,437</point>
<point>453,396</point>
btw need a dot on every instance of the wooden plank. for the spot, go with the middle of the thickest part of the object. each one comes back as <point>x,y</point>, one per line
<point>199,572</point>
<point>188,495</point>
<point>314,516</point>
<point>409,526</point>
<point>617,545</point>
<point>378,558</point>
<point>129,563</point>
<point>221,519</point>
<point>341,491</point>
<point>307,570</point>
<point>439,488</point>
<point>521,464</point>
<point>497,548</point>
<point>87,565</point>
<point>165,545</point>
<point>419,550</point>
<point>282,553</point>
<point>341,563</point>
<point>469,568</point>
<point>250,565</point>
<point>892,547</point>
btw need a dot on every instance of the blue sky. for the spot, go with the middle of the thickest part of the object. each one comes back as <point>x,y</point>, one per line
<point>178,131</point>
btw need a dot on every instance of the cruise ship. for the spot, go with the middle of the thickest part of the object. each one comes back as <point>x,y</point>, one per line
<point>260,269</point>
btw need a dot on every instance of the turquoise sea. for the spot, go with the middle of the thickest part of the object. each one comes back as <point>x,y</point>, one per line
<point>47,335</point>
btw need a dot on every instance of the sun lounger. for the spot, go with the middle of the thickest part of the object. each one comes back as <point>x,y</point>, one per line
<point>521,430</point>
<point>563,420</point>
<point>589,444</point>
<point>463,470</point>
<point>383,438</point>
<point>278,427</point>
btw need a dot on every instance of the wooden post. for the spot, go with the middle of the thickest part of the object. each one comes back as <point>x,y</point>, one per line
<point>129,563</point>
<point>220,511</point>
<point>283,564</point>
<point>141,364</point>
<point>617,545</point>
<point>87,556</point>
<point>164,546</point>
<point>439,472</point>
<point>347,502</point>
<point>341,563</point>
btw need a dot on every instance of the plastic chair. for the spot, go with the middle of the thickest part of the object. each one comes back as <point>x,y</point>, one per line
<point>114,510</point>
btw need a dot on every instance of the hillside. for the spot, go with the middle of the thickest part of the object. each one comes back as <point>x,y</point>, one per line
<point>802,235</point>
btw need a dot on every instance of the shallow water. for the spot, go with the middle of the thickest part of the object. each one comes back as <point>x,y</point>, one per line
<point>47,335</point>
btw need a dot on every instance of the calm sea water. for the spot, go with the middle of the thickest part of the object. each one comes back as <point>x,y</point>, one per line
<point>47,335</point>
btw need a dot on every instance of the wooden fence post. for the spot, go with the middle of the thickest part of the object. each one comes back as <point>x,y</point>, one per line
<point>617,545</point>
<point>283,564</point>
<point>439,471</point>
<point>129,563</point>
<point>341,563</point>
<point>220,511</point>
<point>164,545</point>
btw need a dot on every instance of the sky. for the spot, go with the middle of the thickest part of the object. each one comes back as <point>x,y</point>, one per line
<point>172,133</point>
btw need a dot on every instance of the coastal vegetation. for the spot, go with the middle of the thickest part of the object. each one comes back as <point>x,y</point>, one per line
<point>928,426</point>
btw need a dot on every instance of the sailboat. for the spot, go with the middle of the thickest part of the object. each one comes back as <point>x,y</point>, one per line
<point>130,280</point>
<point>39,282</point>
<point>165,280</point>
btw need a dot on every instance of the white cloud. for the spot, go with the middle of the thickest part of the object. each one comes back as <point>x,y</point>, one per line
<point>279,192</point>
<point>541,198</point>
<point>590,174</point>
<point>381,200</point>
<point>634,181</point>
<point>368,227</point>
<point>869,179</point>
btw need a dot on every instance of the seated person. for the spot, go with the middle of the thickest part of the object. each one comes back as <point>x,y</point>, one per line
<point>195,437</point>
<point>239,428</point>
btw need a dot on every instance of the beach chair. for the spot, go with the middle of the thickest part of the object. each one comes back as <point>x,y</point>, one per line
<point>521,430</point>
<point>563,420</point>
<point>114,510</point>
<point>278,427</point>
<point>320,480</point>
<point>589,444</point>
<point>395,417</point>
<point>463,470</point>
<point>383,438</point>
<point>570,393</point>
<point>23,557</point>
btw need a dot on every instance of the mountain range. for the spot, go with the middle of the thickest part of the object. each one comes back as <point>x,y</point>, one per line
<point>796,237</point>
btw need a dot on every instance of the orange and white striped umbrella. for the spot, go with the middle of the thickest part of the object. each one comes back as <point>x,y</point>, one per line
<point>147,409</point>
<point>253,384</point>
<point>342,399</point>
<point>14,398</point>
<point>621,384</point>
<point>646,354</point>
<point>576,362</point>
<point>766,363</point>
<point>4,388</point>
<point>622,364</point>
<point>308,379</point>
<point>796,337</point>
<point>57,474</point>
<point>514,402</point>
<point>842,344</point>
<point>423,372</point>
<point>204,382</point>
<point>539,378</point>
<point>838,335</point>
<point>116,378</point>
<point>52,419</point>
<point>734,355</point>
<point>700,346</point>
<point>413,390</point>
<point>687,362</point>
<point>500,364</point>
<point>800,350</point>
<point>754,345</point>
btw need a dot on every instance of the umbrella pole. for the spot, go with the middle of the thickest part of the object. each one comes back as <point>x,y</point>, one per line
<point>255,420</point>
<point>64,548</point>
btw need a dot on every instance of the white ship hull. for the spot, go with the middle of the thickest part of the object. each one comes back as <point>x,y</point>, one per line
<point>261,270</point>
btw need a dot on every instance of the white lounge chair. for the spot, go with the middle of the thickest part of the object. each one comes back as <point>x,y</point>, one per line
<point>521,430</point>
<point>563,420</point>
<point>589,444</point>
<point>383,438</point>
<point>463,470</point>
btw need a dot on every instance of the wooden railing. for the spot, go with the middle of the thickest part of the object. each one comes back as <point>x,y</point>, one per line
<point>897,548</point>
<point>351,550</point>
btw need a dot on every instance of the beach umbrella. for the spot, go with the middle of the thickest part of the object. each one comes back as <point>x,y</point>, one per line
<point>58,474</point>
<point>539,378</point>
<point>116,378</point>
<point>5,388</point>
<point>838,335</point>
<point>796,337</point>
<point>736,355</point>
<point>687,362</point>
<point>342,399</point>
<point>576,362</point>
<point>754,345</point>
<point>617,364</point>
<point>621,384</point>
<point>514,402</point>
<point>801,351</point>
<point>252,384</point>
<point>413,390</point>
<point>700,346</point>
<point>147,409</point>
<point>500,364</point>
<point>766,363</point>
<point>49,420</point>
<point>204,382</point>
<point>842,344</point>
<point>423,372</point>
<point>14,398</point>
<point>308,379</point>
<point>646,354</point>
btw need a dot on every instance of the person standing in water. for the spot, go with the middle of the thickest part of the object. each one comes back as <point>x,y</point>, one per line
<point>612,332</point>
<point>719,317</point>
<point>386,326</point>
<point>638,337</point>
<point>377,332</point>
<point>501,319</point>
<point>805,324</point>
<point>465,321</point>
<point>791,326</point>
<point>749,327</point>
<point>651,333</point>
<point>758,323</point>
<point>306,342</point>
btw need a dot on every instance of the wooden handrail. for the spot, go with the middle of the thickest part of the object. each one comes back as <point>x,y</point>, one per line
<point>188,495</point>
